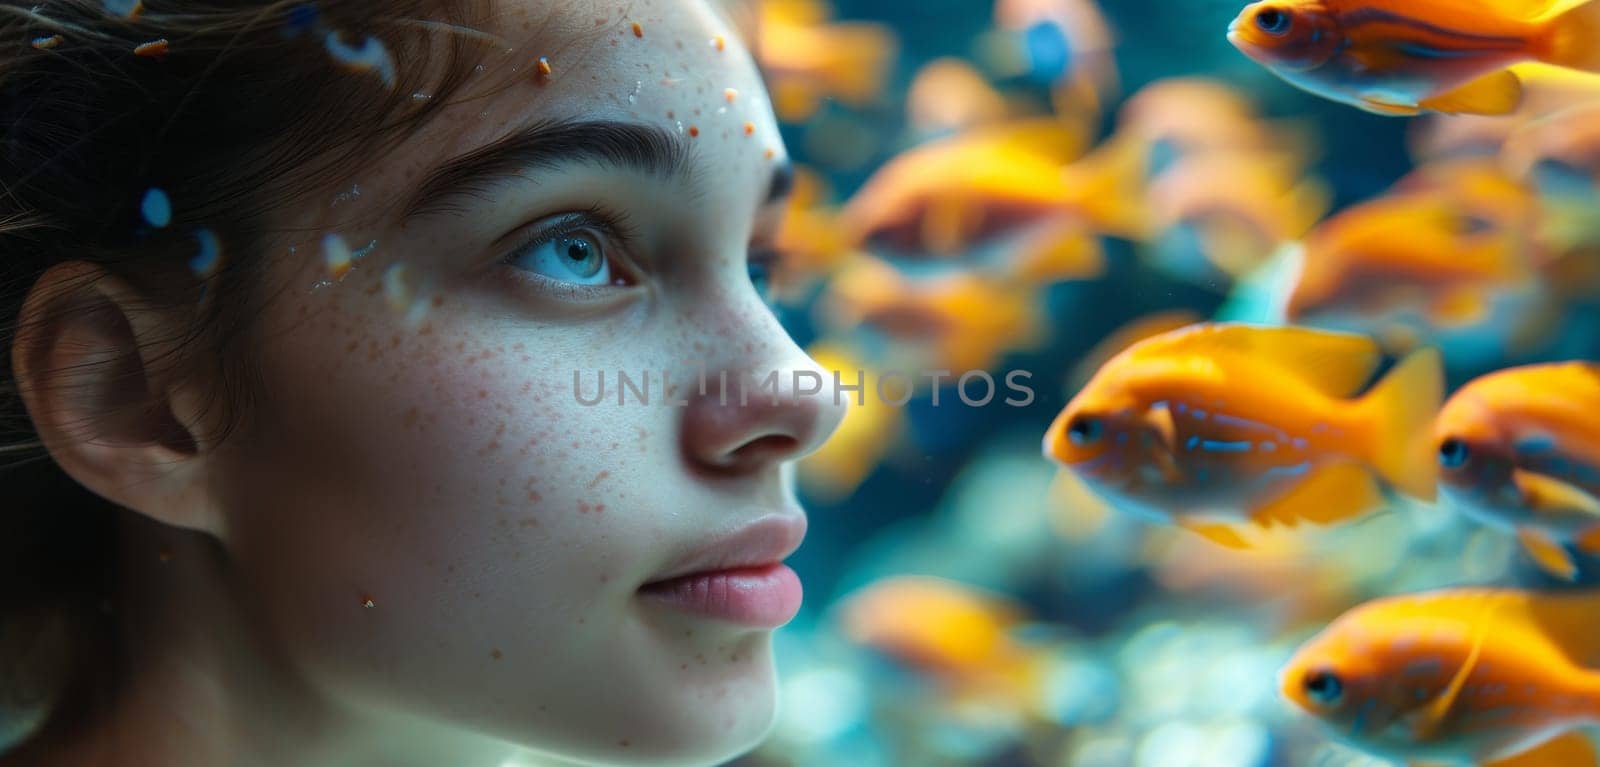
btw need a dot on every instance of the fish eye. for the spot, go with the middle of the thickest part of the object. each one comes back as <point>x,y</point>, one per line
<point>1274,21</point>
<point>1085,430</point>
<point>1453,453</point>
<point>1323,687</point>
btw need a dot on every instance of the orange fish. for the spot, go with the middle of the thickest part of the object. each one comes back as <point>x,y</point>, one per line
<point>959,635</point>
<point>1460,677</point>
<point>1545,91</point>
<point>1520,449</point>
<point>1065,44</point>
<point>1222,423</point>
<point>868,432</point>
<point>949,96</point>
<point>956,321</point>
<point>1401,57</point>
<point>1225,213</point>
<point>1443,244</point>
<point>806,58</point>
<point>945,195</point>
<point>809,241</point>
<point>1184,116</point>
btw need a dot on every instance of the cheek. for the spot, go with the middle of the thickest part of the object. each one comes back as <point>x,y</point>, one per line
<point>444,474</point>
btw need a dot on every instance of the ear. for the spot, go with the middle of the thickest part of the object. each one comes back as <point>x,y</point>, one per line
<point>95,364</point>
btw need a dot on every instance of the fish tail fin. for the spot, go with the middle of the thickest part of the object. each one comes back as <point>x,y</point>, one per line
<point>1572,38</point>
<point>1111,180</point>
<point>1401,409</point>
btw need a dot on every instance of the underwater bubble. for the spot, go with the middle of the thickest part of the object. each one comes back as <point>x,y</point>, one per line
<point>362,252</point>
<point>336,256</point>
<point>420,96</point>
<point>355,191</point>
<point>371,56</point>
<point>154,49</point>
<point>205,263</point>
<point>395,288</point>
<point>157,208</point>
<point>127,9</point>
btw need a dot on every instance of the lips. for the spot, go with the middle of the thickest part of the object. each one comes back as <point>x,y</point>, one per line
<point>738,577</point>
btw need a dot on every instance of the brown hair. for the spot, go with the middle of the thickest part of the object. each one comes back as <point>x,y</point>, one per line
<point>231,110</point>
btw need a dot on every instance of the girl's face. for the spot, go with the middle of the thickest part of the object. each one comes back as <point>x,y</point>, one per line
<point>436,527</point>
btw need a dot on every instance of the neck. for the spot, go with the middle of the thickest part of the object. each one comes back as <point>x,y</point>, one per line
<point>203,684</point>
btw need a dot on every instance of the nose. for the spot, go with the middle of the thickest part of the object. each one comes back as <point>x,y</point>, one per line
<point>749,417</point>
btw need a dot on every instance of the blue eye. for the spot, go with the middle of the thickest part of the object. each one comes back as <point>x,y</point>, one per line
<point>1324,687</point>
<point>1273,21</point>
<point>1085,431</point>
<point>1453,453</point>
<point>574,257</point>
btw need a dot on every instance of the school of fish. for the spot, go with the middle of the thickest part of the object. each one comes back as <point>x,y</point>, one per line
<point>1410,352</point>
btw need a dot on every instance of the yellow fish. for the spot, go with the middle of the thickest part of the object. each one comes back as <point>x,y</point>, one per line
<point>958,635</point>
<point>1494,677</point>
<point>1401,57</point>
<point>868,432</point>
<point>1520,449</point>
<point>806,58</point>
<point>1444,242</point>
<point>1221,423</point>
<point>946,195</point>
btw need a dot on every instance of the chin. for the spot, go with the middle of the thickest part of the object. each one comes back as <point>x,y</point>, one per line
<point>711,718</point>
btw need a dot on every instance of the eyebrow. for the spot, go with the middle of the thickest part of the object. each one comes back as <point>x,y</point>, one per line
<point>548,144</point>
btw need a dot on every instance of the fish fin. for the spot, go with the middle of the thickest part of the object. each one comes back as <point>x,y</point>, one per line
<point>1460,308</point>
<point>1546,493</point>
<point>1427,721</point>
<point>1403,406</point>
<point>1113,190</point>
<point>1389,108</point>
<point>1547,553</point>
<point>1333,492</point>
<point>1498,93</point>
<point>1337,364</point>
<point>1572,39</point>
<point>1568,750</point>
<point>1217,533</point>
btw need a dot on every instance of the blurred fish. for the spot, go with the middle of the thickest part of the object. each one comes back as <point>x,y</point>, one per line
<point>1065,44</point>
<point>943,196</point>
<point>956,634</point>
<point>1055,250</point>
<point>809,240</point>
<point>1218,424</point>
<point>1400,57</point>
<point>1180,117</point>
<point>1546,90</point>
<point>949,96</point>
<point>1222,214</point>
<point>1559,154</point>
<point>1461,677</point>
<point>1520,449</point>
<point>956,321</point>
<point>807,59</point>
<point>870,429</point>
<point>1444,243</point>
